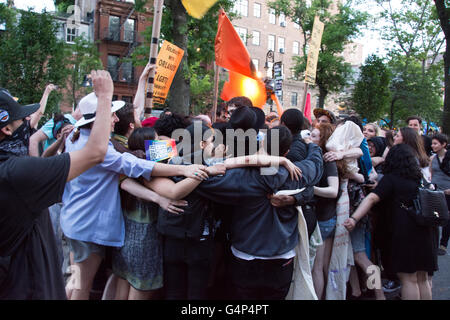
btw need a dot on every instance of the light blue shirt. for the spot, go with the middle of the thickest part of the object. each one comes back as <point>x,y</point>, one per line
<point>91,202</point>
<point>47,128</point>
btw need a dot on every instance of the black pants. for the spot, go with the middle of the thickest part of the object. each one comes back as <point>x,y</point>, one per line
<point>187,265</point>
<point>261,279</point>
<point>446,229</point>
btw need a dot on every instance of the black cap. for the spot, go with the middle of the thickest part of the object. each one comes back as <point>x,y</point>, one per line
<point>10,110</point>
<point>260,118</point>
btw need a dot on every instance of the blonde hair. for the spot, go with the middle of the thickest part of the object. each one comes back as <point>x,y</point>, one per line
<point>376,127</point>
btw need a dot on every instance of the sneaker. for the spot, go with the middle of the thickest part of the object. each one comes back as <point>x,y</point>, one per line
<point>390,286</point>
<point>442,251</point>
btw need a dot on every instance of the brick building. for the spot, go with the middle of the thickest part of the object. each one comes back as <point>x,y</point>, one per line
<point>118,28</point>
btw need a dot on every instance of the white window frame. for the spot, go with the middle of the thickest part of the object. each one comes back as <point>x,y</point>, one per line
<point>257,10</point>
<point>70,35</point>
<point>272,16</point>
<point>242,32</point>
<point>269,47</point>
<point>241,7</point>
<point>256,63</point>
<point>282,20</point>
<point>295,45</point>
<point>281,44</point>
<point>256,40</point>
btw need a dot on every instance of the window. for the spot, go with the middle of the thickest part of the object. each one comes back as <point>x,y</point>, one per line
<point>296,25</point>
<point>114,28</point>
<point>281,44</point>
<point>256,64</point>
<point>241,7</point>
<point>282,19</point>
<point>272,18</point>
<point>128,32</point>
<point>293,99</point>
<point>127,72</point>
<point>257,10</point>
<point>271,43</point>
<point>113,67</point>
<point>255,38</point>
<point>242,33</point>
<point>296,47</point>
<point>71,34</point>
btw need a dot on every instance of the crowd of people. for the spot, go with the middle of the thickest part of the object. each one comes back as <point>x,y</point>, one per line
<point>87,215</point>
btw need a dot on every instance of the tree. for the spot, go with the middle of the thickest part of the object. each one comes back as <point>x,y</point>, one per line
<point>416,37</point>
<point>196,38</point>
<point>371,95</point>
<point>82,57</point>
<point>31,56</point>
<point>340,28</point>
<point>443,11</point>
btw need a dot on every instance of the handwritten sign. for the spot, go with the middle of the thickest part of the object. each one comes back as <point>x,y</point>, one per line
<point>313,54</point>
<point>167,62</point>
<point>158,150</point>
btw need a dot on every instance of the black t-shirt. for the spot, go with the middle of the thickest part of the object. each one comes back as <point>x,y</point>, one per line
<point>326,207</point>
<point>29,264</point>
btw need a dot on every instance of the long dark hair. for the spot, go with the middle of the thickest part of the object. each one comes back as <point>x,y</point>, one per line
<point>412,138</point>
<point>138,137</point>
<point>401,161</point>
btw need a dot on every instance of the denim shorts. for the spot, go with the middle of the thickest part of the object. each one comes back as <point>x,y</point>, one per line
<point>82,249</point>
<point>327,228</point>
<point>358,236</point>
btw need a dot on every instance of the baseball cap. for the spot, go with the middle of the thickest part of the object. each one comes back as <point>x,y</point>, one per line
<point>10,110</point>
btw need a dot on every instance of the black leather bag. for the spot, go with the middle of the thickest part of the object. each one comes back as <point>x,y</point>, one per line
<point>429,207</point>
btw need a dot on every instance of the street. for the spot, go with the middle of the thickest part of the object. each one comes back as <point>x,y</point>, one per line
<point>441,279</point>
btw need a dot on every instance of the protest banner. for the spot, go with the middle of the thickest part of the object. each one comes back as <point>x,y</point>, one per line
<point>167,62</point>
<point>313,54</point>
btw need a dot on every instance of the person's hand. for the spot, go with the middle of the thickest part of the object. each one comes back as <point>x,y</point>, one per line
<point>102,82</point>
<point>294,171</point>
<point>195,171</point>
<point>332,156</point>
<point>66,131</point>
<point>216,169</point>
<point>172,205</point>
<point>371,186</point>
<point>147,70</point>
<point>281,201</point>
<point>50,87</point>
<point>349,224</point>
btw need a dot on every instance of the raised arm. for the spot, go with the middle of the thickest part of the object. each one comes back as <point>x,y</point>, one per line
<point>35,139</point>
<point>35,117</point>
<point>95,149</point>
<point>139,98</point>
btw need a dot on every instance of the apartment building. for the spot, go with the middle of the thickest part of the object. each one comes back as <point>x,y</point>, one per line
<point>266,34</point>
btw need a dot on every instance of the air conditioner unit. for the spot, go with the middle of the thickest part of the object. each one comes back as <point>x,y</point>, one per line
<point>283,24</point>
<point>281,50</point>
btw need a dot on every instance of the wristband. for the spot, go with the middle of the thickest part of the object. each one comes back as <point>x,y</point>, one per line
<point>356,221</point>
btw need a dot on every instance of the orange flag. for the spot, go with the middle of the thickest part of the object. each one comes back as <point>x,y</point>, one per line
<point>239,85</point>
<point>231,53</point>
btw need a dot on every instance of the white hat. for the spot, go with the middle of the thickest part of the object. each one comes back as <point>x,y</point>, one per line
<point>88,107</point>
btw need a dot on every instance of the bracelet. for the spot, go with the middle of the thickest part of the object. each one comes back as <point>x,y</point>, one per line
<point>356,221</point>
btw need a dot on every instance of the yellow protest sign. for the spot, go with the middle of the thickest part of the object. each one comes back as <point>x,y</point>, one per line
<point>167,62</point>
<point>313,54</point>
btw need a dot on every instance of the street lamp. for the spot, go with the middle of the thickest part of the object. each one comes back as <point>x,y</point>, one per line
<point>270,57</point>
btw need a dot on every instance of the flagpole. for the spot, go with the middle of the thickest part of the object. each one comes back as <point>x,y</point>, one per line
<point>216,91</point>
<point>157,17</point>
<point>305,93</point>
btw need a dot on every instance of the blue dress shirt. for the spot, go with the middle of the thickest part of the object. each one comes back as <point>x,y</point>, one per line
<point>91,202</point>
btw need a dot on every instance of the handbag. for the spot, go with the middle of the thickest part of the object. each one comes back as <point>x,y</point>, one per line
<point>429,207</point>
